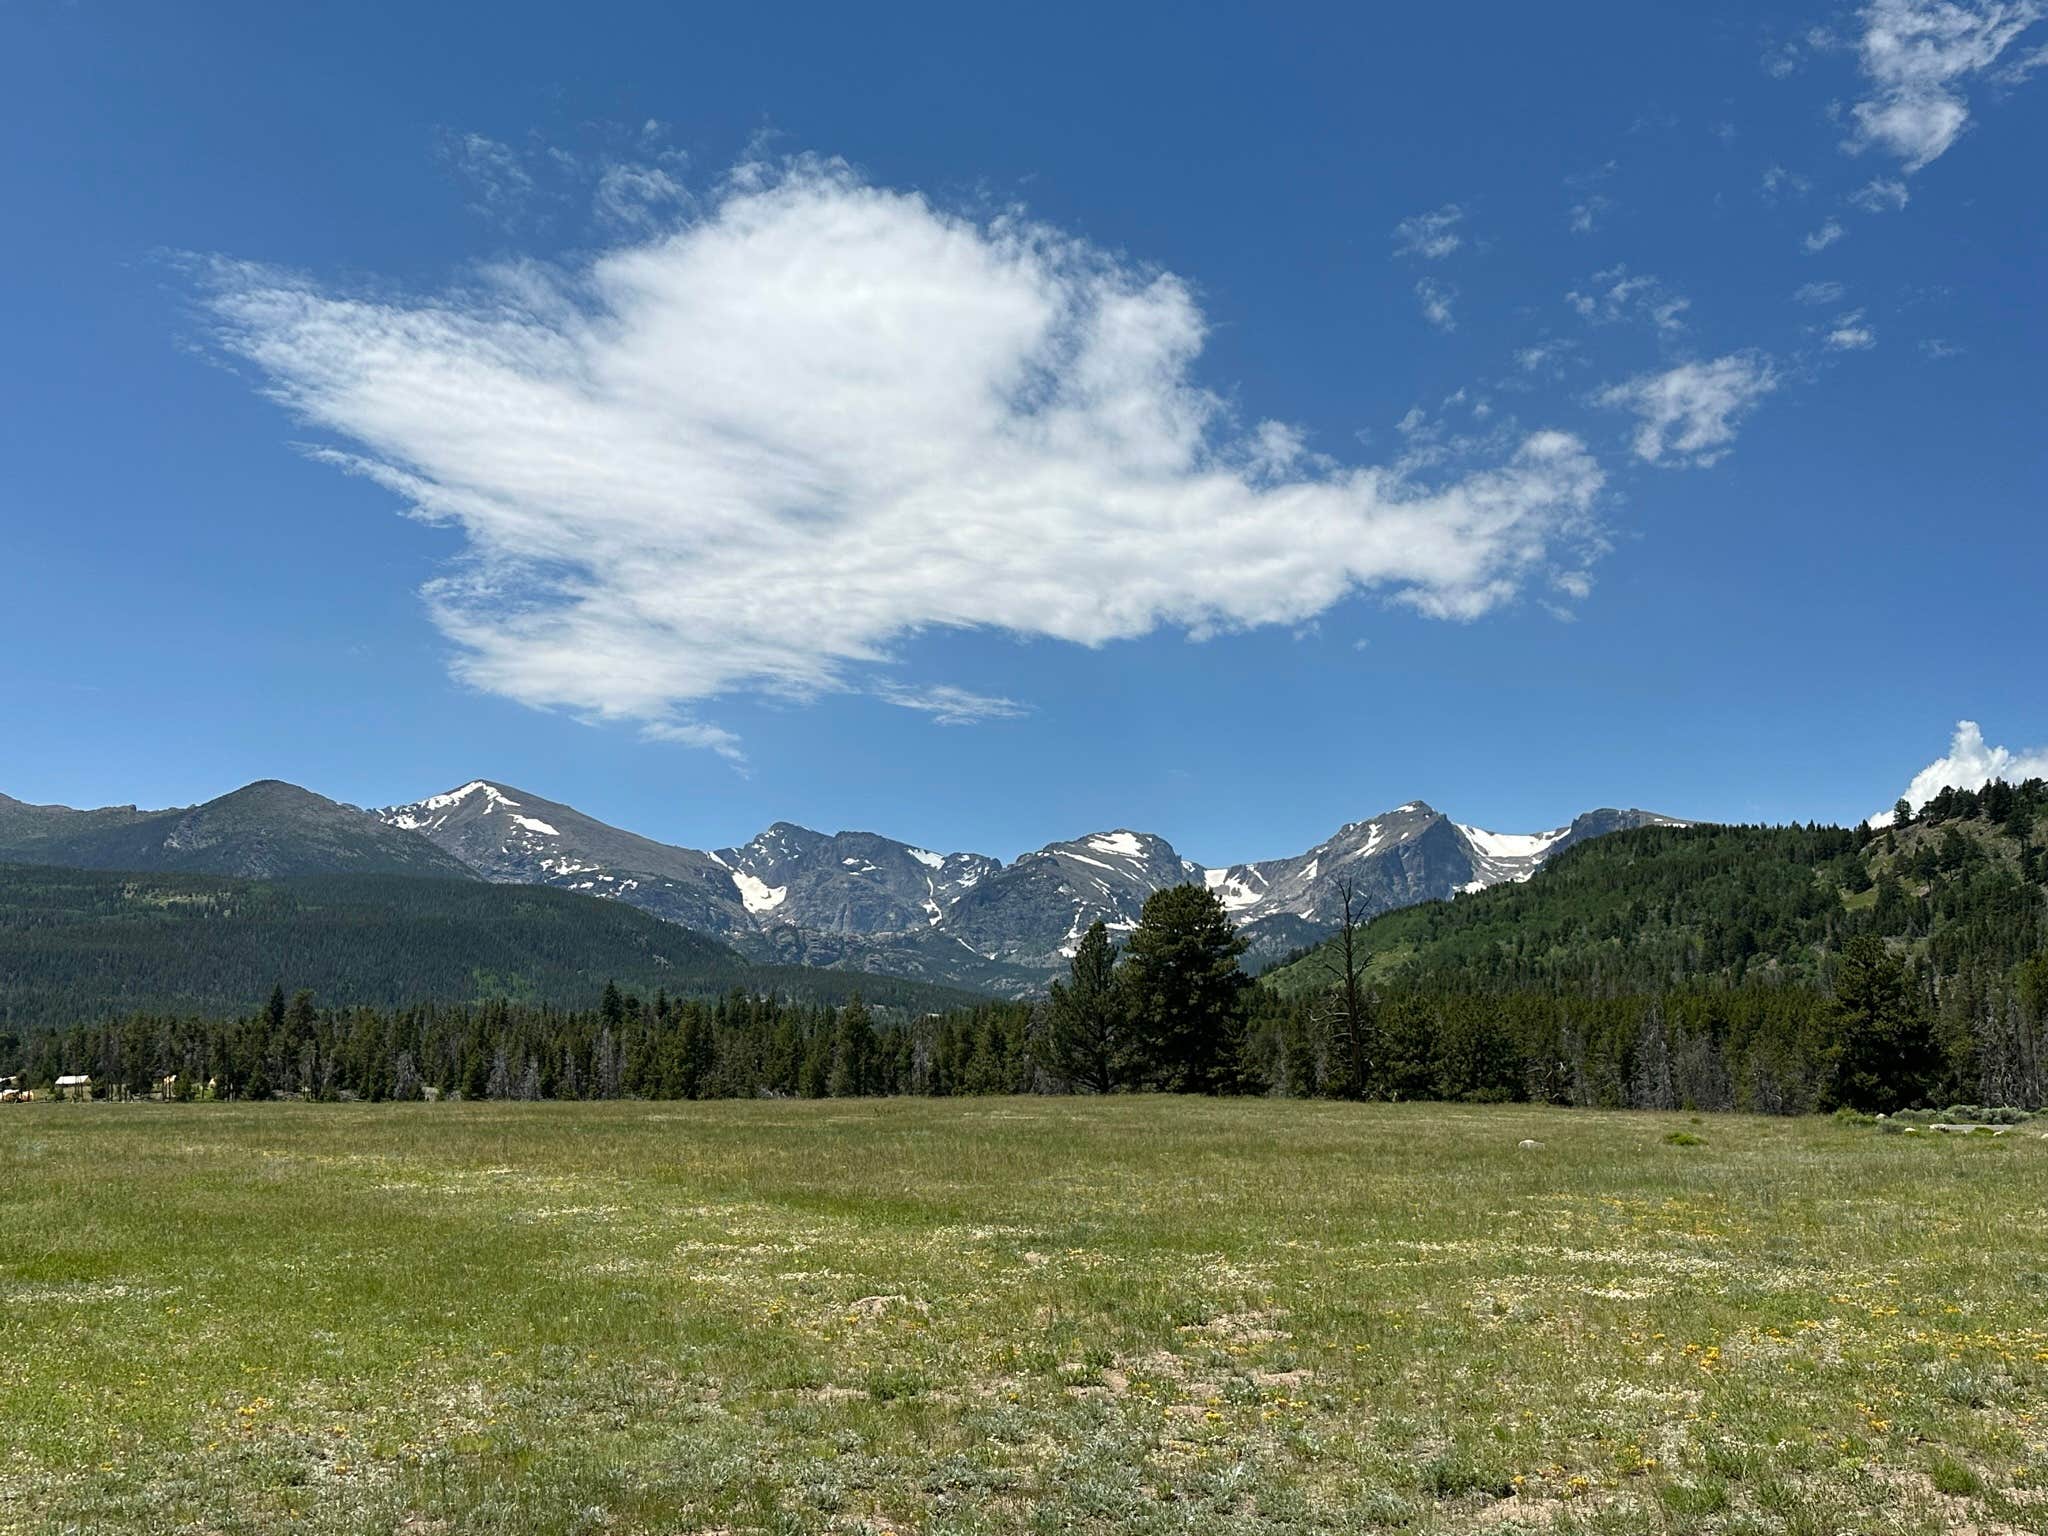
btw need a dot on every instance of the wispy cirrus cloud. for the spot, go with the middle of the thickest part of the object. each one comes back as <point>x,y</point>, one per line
<point>1616,295</point>
<point>1920,57</point>
<point>1881,194</point>
<point>1687,416</point>
<point>757,451</point>
<point>1436,298</point>
<point>1851,333</point>
<point>636,197</point>
<point>1777,183</point>
<point>1823,237</point>
<point>1430,236</point>
<point>493,175</point>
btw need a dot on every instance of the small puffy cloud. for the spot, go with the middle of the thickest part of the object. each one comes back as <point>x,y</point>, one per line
<point>1919,56</point>
<point>1850,334</point>
<point>759,449</point>
<point>1823,237</point>
<point>1780,61</point>
<point>1780,183</point>
<point>1819,293</point>
<point>1435,298</point>
<point>1688,414</point>
<point>1936,348</point>
<point>1970,763</point>
<point>1615,295</point>
<point>1431,236</point>
<point>1585,215</point>
<point>1882,194</point>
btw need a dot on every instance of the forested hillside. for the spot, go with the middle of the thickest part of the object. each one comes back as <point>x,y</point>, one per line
<point>1771,969</point>
<point>267,830</point>
<point>1959,888</point>
<point>1767,968</point>
<point>79,945</point>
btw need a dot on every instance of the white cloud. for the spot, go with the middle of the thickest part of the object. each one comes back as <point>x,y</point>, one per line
<point>1819,293</point>
<point>1850,334</point>
<point>1823,237</point>
<point>1970,764</point>
<point>1614,295</point>
<point>634,197</point>
<point>1585,215</point>
<point>1779,182</point>
<point>1882,194</point>
<point>1937,348</point>
<point>758,453</point>
<point>1432,236</point>
<point>1780,60</point>
<point>498,184</point>
<point>1436,300</point>
<point>948,705</point>
<point>1689,413</point>
<point>1918,55</point>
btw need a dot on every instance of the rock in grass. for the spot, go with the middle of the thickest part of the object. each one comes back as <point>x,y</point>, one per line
<point>1527,1145</point>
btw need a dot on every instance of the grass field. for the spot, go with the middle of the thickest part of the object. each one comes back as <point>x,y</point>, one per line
<point>1013,1315</point>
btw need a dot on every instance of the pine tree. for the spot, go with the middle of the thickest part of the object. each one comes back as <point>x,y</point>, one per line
<point>1084,1017</point>
<point>1886,1056</point>
<point>1185,995</point>
<point>853,1051</point>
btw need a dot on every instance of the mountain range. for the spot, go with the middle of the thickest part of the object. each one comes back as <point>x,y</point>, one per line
<point>845,900</point>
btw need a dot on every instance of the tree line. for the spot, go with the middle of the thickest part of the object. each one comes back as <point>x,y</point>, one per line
<point>1171,1012</point>
<point>1702,968</point>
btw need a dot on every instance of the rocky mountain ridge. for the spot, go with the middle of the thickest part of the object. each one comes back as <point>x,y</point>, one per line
<point>848,900</point>
<point>870,902</point>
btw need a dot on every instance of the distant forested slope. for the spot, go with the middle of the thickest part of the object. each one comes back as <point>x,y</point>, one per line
<point>80,944</point>
<point>1662,907</point>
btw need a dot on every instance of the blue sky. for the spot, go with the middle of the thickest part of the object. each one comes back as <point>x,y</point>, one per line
<point>985,431</point>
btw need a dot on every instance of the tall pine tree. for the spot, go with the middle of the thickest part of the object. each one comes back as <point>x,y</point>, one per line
<point>1084,1015</point>
<point>1185,995</point>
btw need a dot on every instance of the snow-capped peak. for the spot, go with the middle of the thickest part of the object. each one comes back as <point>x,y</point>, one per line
<point>1122,844</point>
<point>436,808</point>
<point>1511,845</point>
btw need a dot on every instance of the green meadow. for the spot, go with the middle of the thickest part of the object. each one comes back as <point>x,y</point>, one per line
<point>1134,1314</point>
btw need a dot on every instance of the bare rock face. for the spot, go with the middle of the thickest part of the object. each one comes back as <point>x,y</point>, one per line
<point>862,901</point>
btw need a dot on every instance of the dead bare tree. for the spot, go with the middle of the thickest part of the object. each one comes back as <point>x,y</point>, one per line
<point>1347,1007</point>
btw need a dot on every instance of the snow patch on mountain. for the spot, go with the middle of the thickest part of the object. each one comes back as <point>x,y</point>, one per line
<point>1511,845</point>
<point>434,810</point>
<point>1123,844</point>
<point>756,894</point>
